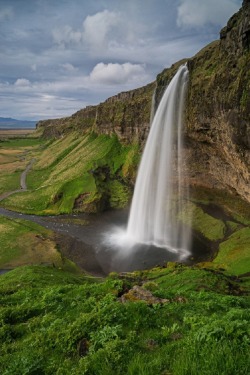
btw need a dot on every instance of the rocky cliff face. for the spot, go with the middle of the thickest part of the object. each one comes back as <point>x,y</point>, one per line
<point>218,110</point>
<point>126,114</point>
<point>217,130</point>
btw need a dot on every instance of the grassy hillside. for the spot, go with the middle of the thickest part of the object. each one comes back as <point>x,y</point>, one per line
<point>176,321</point>
<point>14,156</point>
<point>76,172</point>
<point>26,243</point>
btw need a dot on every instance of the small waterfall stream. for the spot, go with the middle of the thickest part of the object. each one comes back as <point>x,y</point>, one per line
<point>160,187</point>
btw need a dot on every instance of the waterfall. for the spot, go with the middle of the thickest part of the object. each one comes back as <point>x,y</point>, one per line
<point>160,188</point>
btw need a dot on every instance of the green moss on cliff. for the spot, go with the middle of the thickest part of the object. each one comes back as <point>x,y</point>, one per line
<point>211,228</point>
<point>234,254</point>
<point>233,206</point>
<point>119,194</point>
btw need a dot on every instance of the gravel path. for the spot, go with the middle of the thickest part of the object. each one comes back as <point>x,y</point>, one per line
<point>24,174</point>
<point>23,186</point>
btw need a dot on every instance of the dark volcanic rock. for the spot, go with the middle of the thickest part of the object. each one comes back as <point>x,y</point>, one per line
<point>218,111</point>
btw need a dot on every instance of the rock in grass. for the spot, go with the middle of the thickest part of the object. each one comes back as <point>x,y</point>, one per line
<point>138,293</point>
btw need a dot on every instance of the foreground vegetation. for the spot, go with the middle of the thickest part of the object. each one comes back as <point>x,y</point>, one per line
<point>53,322</point>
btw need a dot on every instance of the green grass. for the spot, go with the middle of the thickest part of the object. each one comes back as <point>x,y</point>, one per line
<point>15,155</point>
<point>21,142</point>
<point>29,202</point>
<point>234,253</point>
<point>9,182</point>
<point>72,189</point>
<point>77,325</point>
<point>24,242</point>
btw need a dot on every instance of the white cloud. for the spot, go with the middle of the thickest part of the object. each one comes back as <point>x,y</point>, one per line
<point>6,14</point>
<point>22,82</point>
<point>112,74</point>
<point>196,13</point>
<point>97,28</point>
<point>97,31</point>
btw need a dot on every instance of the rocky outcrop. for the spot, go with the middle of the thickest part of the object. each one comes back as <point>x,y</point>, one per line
<point>81,121</point>
<point>126,114</point>
<point>235,36</point>
<point>138,293</point>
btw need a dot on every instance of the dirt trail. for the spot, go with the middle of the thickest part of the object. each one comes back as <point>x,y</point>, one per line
<point>24,174</point>
<point>23,186</point>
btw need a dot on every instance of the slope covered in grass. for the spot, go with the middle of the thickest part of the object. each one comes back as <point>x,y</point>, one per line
<point>79,325</point>
<point>78,172</point>
<point>15,154</point>
<point>234,253</point>
<point>24,243</point>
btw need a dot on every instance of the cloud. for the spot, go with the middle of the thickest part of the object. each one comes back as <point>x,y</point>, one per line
<point>39,100</point>
<point>69,67</point>
<point>97,28</point>
<point>49,48</point>
<point>113,74</point>
<point>97,31</point>
<point>66,35</point>
<point>22,82</point>
<point>6,14</point>
<point>197,13</point>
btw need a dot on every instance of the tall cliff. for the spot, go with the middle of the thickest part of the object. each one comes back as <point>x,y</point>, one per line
<point>126,115</point>
<point>218,109</point>
<point>217,127</point>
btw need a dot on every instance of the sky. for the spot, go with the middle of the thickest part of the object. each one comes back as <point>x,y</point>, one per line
<point>58,56</point>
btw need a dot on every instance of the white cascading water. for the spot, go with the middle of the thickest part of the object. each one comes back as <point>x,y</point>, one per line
<point>160,186</point>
